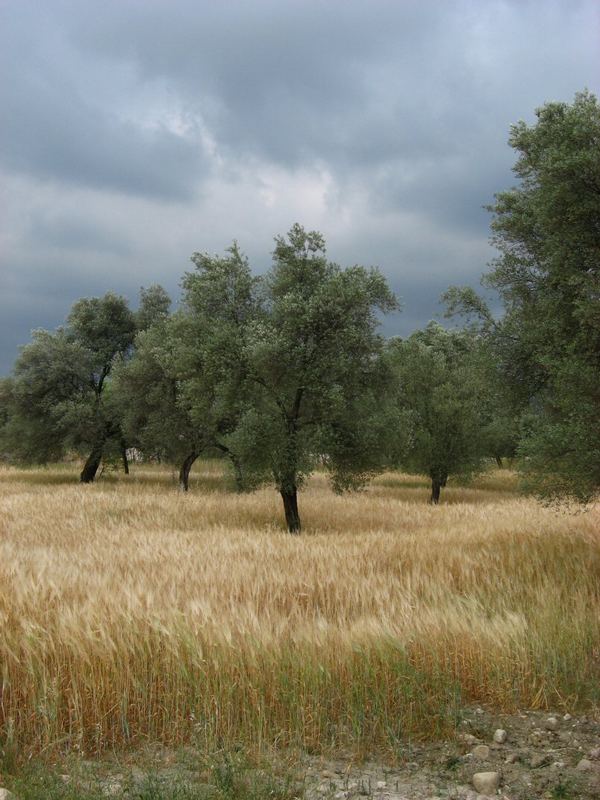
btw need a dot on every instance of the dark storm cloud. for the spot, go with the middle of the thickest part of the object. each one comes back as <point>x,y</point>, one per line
<point>137,131</point>
<point>57,122</point>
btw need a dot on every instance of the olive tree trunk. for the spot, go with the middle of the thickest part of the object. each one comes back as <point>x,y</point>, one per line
<point>184,472</point>
<point>90,468</point>
<point>124,458</point>
<point>290,506</point>
<point>438,481</point>
<point>237,473</point>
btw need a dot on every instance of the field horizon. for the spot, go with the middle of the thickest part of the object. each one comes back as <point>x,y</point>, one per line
<point>130,612</point>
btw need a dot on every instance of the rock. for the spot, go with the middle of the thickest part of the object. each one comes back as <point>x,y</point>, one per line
<point>567,717</point>
<point>481,752</point>
<point>551,724</point>
<point>468,738</point>
<point>486,782</point>
<point>512,758</point>
<point>380,785</point>
<point>500,736</point>
<point>559,765</point>
<point>585,765</point>
<point>594,753</point>
<point>540,760</point>
<point>6,795</point>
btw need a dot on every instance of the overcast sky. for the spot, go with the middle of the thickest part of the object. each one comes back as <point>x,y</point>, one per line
<point>135,132</point>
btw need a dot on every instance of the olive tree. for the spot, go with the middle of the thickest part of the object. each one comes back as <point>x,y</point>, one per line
<point>548,341</point>
<point>181,393</point>
<point>311,370</point>
<point>59,396</point>
<point>439,385</point>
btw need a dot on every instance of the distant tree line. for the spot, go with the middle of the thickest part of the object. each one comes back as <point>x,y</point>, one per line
<point>285,373</point>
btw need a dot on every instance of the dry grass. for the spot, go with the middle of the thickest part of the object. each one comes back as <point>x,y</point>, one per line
<point>131,612</point>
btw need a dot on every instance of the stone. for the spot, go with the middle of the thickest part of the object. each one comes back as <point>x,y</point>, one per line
<point>551,724</point>
<point>481,752</point>
<point>6,795</point>
<point>594,753</point>
<point>500,736</point>
<point>585,765</point>
<point>468,738</point>
<point>540,760</point>
<point>512,758</point>
<point>380,785</point>
<point>567,717</point>
<point>486,782</point>
<point>559,765</point>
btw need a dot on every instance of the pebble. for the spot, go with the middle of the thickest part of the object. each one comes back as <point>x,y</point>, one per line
<point>6,795</point>
<point>512,758</point>
<point>567,717</point>
<point>551,724</point>
<point>481,752</point>
<point>500,736</point>
<point>595,753</point>
<point>584,765</point>
<point>486,782</point>
<point>380,785</point>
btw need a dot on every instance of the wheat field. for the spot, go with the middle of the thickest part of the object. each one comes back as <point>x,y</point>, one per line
<point>130,612</point>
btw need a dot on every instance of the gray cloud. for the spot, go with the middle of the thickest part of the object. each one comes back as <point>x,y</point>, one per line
<point>136,132</point>
<point>59,123</point>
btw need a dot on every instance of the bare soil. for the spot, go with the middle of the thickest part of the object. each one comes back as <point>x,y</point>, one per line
<point>545,755</point>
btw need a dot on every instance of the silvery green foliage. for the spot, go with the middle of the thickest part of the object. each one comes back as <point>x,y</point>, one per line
<point>440,383</point>
<point>60,397</point>
<point>312,368</point>
<point>547,274</point>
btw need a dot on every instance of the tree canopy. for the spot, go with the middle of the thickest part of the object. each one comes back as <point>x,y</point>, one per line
<point>305,352</point>
<point>59,396</point>
<point>548,277</point>
<point>440,386</point>
<point>286,372</point>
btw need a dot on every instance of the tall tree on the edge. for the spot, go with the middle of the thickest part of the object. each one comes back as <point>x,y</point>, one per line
<point>548,276</point>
